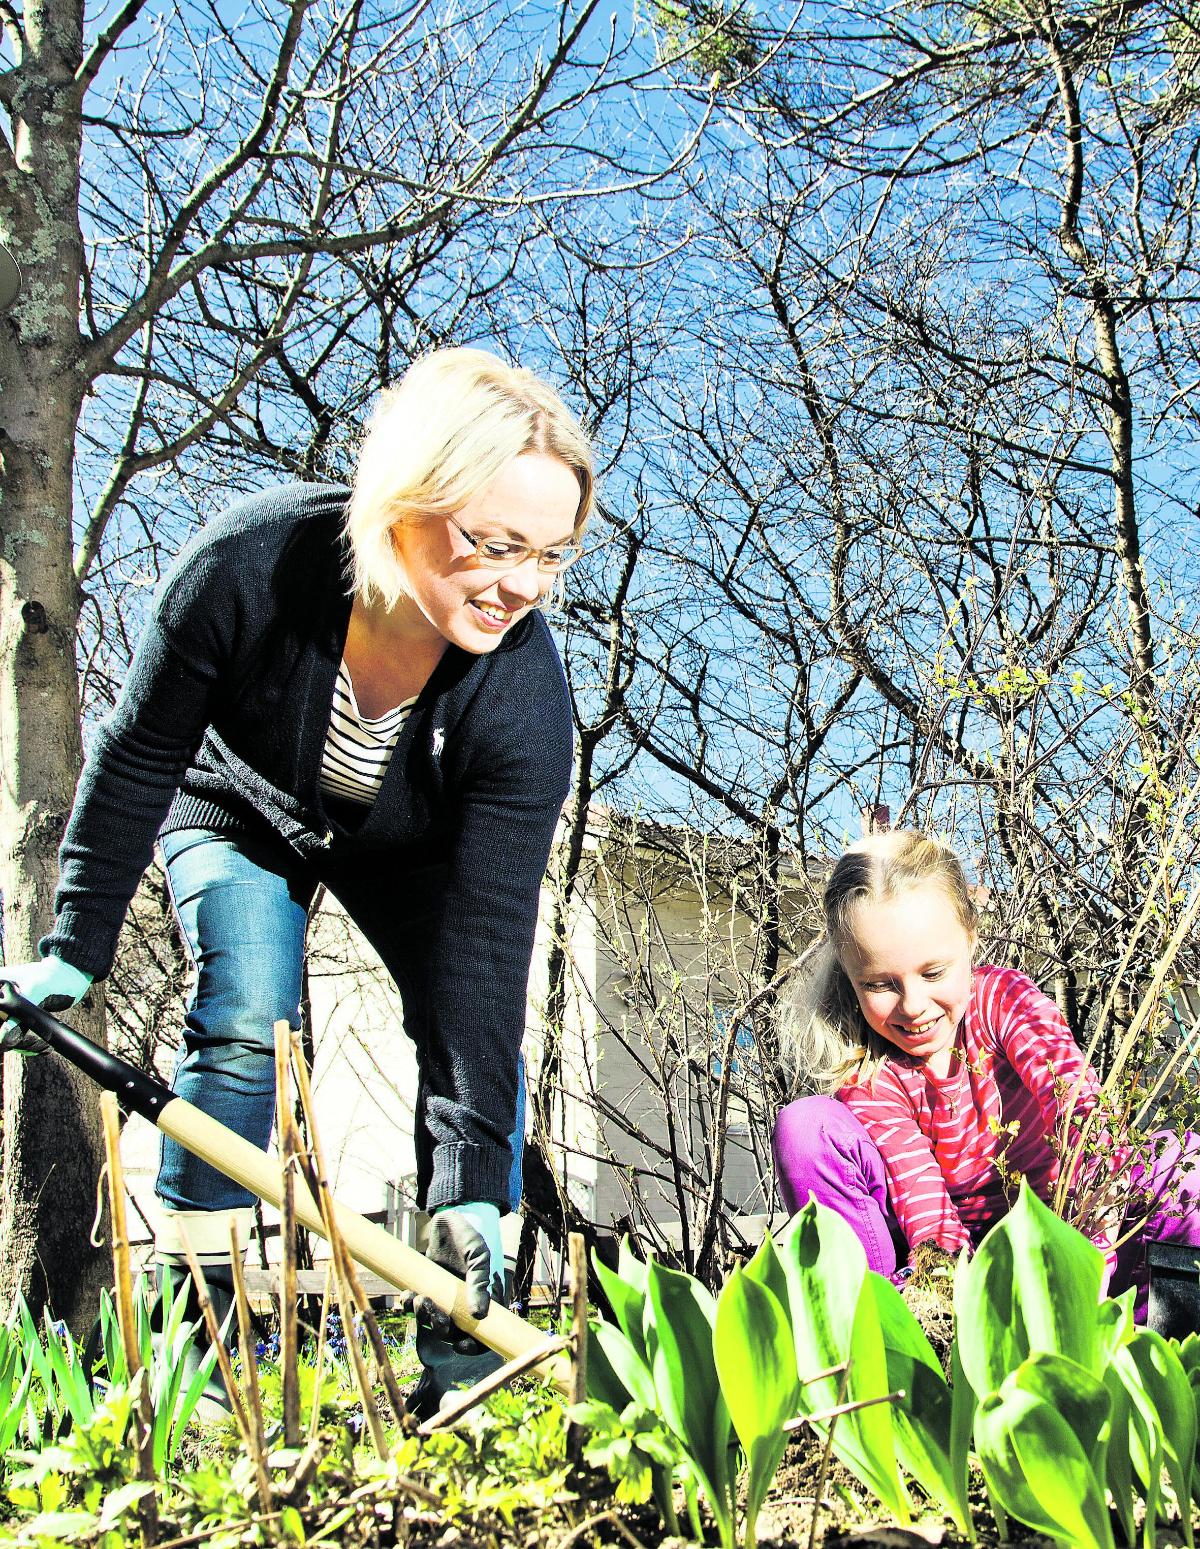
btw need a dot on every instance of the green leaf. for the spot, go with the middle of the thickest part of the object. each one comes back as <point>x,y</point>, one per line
<point>1033,1284</point>
<point>962,1423</point>
<point>626,1292</point>
<point>615,1372</point>
<point>1081,1399</point>
<point>685,1381</point>
<point>1118,1466</point>
<point>922,1419</point>
<point>766,1269</point>
<point>1145,1438</point>
<point>835,1322</point>
<point>122,1500</point>
<point>1038,1469</point>
<point>756,1364</point>
<point>1166,1384</point>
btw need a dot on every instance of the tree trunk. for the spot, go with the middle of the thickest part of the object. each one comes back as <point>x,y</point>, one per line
<point>51,1142</point>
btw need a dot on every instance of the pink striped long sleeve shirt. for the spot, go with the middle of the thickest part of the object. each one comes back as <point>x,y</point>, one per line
<point>1014,1061</point>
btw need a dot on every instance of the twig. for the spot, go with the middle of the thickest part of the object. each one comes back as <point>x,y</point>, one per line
<point>464,1402</point>
<point>593,1522</point>
<point>231,1387</point>
<point>830,1371</point>
<point>579,1338</point>
<point>340,1258</point>
<point>822,1415</point>
<point>314,1419</point>
<point>123,1284</point>
<point>249,1366</point>
<point>826,1455</point>
<point>289,1334</point>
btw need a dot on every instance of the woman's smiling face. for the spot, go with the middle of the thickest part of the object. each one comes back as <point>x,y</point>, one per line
<point>533,502</point>
<point>909,960</point>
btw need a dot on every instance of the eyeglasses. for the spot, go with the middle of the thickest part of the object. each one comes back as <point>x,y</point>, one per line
<point>498,555</point>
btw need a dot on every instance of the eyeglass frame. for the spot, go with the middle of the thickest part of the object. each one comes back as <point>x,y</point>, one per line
<point>522,553</point>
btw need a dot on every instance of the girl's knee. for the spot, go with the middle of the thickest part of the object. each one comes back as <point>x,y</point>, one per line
<point>802,1126</point>
<point>799,1142</point>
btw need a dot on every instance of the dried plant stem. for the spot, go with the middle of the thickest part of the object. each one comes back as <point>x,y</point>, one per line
<point>340,1259</point>
<point>123,1285</point>
<point>579,1336</point>
<point>830,1371</point>
<point>826,1456</point>
<point>463,1403</point>
<point>249,1363</point>
<point>601,1519</point>
<point>314,1419</point>
<point>378,1348</point>
<point>289,1333</point>
<point>235,1398</point>
<point>821,1415</point>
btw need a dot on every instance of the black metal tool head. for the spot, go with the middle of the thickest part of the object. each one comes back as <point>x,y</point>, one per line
<point>10,279</point>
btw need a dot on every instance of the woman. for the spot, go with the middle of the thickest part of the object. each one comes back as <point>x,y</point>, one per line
<point>352,688</point>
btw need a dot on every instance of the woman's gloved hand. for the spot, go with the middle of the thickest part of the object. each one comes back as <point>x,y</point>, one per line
<point>464,1239</point>
<point>49,983</point>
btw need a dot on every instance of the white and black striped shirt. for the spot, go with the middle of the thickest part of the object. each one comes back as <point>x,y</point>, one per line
<point>357,749</point>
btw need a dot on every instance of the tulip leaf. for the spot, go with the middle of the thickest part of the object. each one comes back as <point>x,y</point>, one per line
<point>1033,1284</point>
<point>681,1314</point>
<point>616,1373</point>
<point>756,1363</point>
<point>922,1419</point>
<point>1166,1385</point>
<point>626,1291</point>
<point>1038,1469</point>
<point>835,1324</point>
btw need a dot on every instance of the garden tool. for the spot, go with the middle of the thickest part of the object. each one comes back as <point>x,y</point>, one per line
<point>10,279</point>
<point>501,1330</point>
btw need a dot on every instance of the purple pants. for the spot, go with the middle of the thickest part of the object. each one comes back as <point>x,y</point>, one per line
<point>822,1151</point>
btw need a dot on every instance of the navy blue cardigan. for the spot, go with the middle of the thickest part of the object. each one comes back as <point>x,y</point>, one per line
<point>221,724</point>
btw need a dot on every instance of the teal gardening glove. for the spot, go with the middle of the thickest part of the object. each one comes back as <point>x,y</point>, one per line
<point>49,983</point>
<point>464,1239</point>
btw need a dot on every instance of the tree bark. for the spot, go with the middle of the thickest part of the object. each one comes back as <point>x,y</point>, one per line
<point>52,1147</point>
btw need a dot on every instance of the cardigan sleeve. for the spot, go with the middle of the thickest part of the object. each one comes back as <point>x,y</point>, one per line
<point>916,1188</point>
<point>472,974</point>
<point>138,758</point>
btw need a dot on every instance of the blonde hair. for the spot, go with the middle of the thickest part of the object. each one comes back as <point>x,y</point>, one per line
<point>822,1031</point>
<point>454,421</point>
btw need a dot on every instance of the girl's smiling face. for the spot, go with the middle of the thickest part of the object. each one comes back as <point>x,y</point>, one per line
<point>909,960</point>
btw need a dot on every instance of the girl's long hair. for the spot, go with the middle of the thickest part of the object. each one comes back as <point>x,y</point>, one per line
<point>823,1035</point>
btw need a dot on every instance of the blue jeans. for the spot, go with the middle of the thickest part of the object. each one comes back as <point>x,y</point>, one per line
<point>243,907</point>
<point>243,910</point>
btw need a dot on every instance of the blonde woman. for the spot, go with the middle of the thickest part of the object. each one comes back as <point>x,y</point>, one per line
<point>354,688</point>
<point>941,1080</point>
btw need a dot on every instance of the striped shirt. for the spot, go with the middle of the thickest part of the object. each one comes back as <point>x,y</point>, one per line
<point>1013,1064</point>
<point>358,749</point>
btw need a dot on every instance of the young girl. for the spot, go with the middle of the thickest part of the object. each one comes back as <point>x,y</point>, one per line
<point>948,1080</point>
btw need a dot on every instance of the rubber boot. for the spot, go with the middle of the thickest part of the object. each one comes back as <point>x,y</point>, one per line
<point>446,1368</point>
<point>218,1278</point>
<point>450,1364</point>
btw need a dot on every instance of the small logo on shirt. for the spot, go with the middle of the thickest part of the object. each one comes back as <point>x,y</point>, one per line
<point>439,741</point>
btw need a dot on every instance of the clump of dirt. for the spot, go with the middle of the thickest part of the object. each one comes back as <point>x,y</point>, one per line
<point>929,1302</point>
